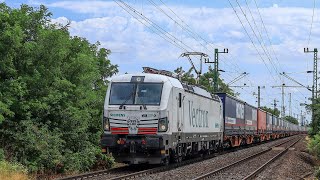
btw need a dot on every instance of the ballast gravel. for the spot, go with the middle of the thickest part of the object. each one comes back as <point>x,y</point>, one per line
<point>206,166</point>
<point>297,163</point>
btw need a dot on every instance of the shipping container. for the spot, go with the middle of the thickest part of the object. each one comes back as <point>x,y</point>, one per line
<point>262,121</point>
<point>269,122</point>
<point>275,124</point>
<point>251,116</point>
<point>233,113</point>
<point>281,126</point>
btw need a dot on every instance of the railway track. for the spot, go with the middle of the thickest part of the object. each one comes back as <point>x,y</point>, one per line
<point>128,172</point>
<point>109,173</point>
<point>240,168</point>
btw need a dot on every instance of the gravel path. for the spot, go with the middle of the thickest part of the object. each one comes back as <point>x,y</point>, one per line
<point>200,168</point>
<point>292,165</point>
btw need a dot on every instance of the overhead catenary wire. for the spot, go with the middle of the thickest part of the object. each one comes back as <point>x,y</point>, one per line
<point>250,39</point>
<point>161,35</point>
<point>157,27</point>
<point>269,39</point>
<point>189,29</point>
<point>260,41</point>
<point>314,6</point>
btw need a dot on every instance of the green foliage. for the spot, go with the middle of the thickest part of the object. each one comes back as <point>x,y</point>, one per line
<point>13,171</point>
<point>318,172</point>
<point>314,145</point>
<point>315,123</point>
<point>106,161</point>
<point>1,154</point>
<point>275,112</point>
<point>12,167</point>
<point>291,119</point>
<point>314,148</point>
<point>52,89</point>
<point>204,80</point>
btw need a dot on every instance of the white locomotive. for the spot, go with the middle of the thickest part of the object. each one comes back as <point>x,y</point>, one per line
<point>154,118</point>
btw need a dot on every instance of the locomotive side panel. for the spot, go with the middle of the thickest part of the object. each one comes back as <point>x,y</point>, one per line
<point>201,115</point>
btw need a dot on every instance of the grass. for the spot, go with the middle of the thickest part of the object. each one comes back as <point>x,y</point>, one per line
<point>12,171</point>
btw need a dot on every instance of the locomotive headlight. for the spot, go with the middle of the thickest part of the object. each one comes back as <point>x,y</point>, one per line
<point>106,124</point>
<point>163,125</point>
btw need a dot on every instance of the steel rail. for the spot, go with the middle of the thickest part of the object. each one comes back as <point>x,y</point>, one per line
<point>92,174</point>
<point>220,170</point>
<point>257,171</point>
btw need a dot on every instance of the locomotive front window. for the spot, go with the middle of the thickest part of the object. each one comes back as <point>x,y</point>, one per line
<point>122,93</point>
<point>148,93</point>
<point>135,93</point>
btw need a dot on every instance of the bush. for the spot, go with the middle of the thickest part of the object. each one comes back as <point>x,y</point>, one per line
<point>1,154</point>
<point>314,148</point>
<point>12,171</point>
<point>314,145</point>
<point>318,173</point>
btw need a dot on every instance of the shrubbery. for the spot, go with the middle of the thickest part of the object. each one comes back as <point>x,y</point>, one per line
<point>52,89</point>
<point>314,148</point>
<point>12,171</point>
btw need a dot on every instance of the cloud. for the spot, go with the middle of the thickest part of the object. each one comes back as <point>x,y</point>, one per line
<point>135,45</point>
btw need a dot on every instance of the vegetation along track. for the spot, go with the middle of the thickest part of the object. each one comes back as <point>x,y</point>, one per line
<point>246,168</point>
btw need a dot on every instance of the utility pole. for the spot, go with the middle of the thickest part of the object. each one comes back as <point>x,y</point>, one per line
<point>301,119</point>
<point>274,105</point>
<point>314,86</point>
<point>315,71</point>
<point>216,66</point>
<point>283,113</point>
<point>290,110</point>
<point>258,96</point>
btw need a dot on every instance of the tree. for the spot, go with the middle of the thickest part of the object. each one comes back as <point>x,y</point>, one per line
<point>291,119</point>
<point>52,89</point>
<point>275,111</point>
<point>315,123</point>
<point>204,80</point>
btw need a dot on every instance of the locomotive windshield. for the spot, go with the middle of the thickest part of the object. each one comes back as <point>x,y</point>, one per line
<point>135,93</point>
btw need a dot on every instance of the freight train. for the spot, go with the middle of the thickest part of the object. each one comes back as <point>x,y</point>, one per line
<point>155,118</point>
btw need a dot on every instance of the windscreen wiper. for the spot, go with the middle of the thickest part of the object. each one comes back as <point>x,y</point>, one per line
<point>143,104</point>
<point>129,97</point>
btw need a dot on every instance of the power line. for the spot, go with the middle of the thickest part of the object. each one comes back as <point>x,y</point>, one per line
<point>189,29</point>
<point>261,43</point>
<point>157,27</point>
<point>264,27</point>
<point>314,6</point>
<point>250,38</point>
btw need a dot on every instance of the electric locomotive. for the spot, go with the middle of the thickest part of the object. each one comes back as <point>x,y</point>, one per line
<point>154,118</point>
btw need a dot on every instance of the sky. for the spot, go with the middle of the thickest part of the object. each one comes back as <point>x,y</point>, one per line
<point>264,38</point>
